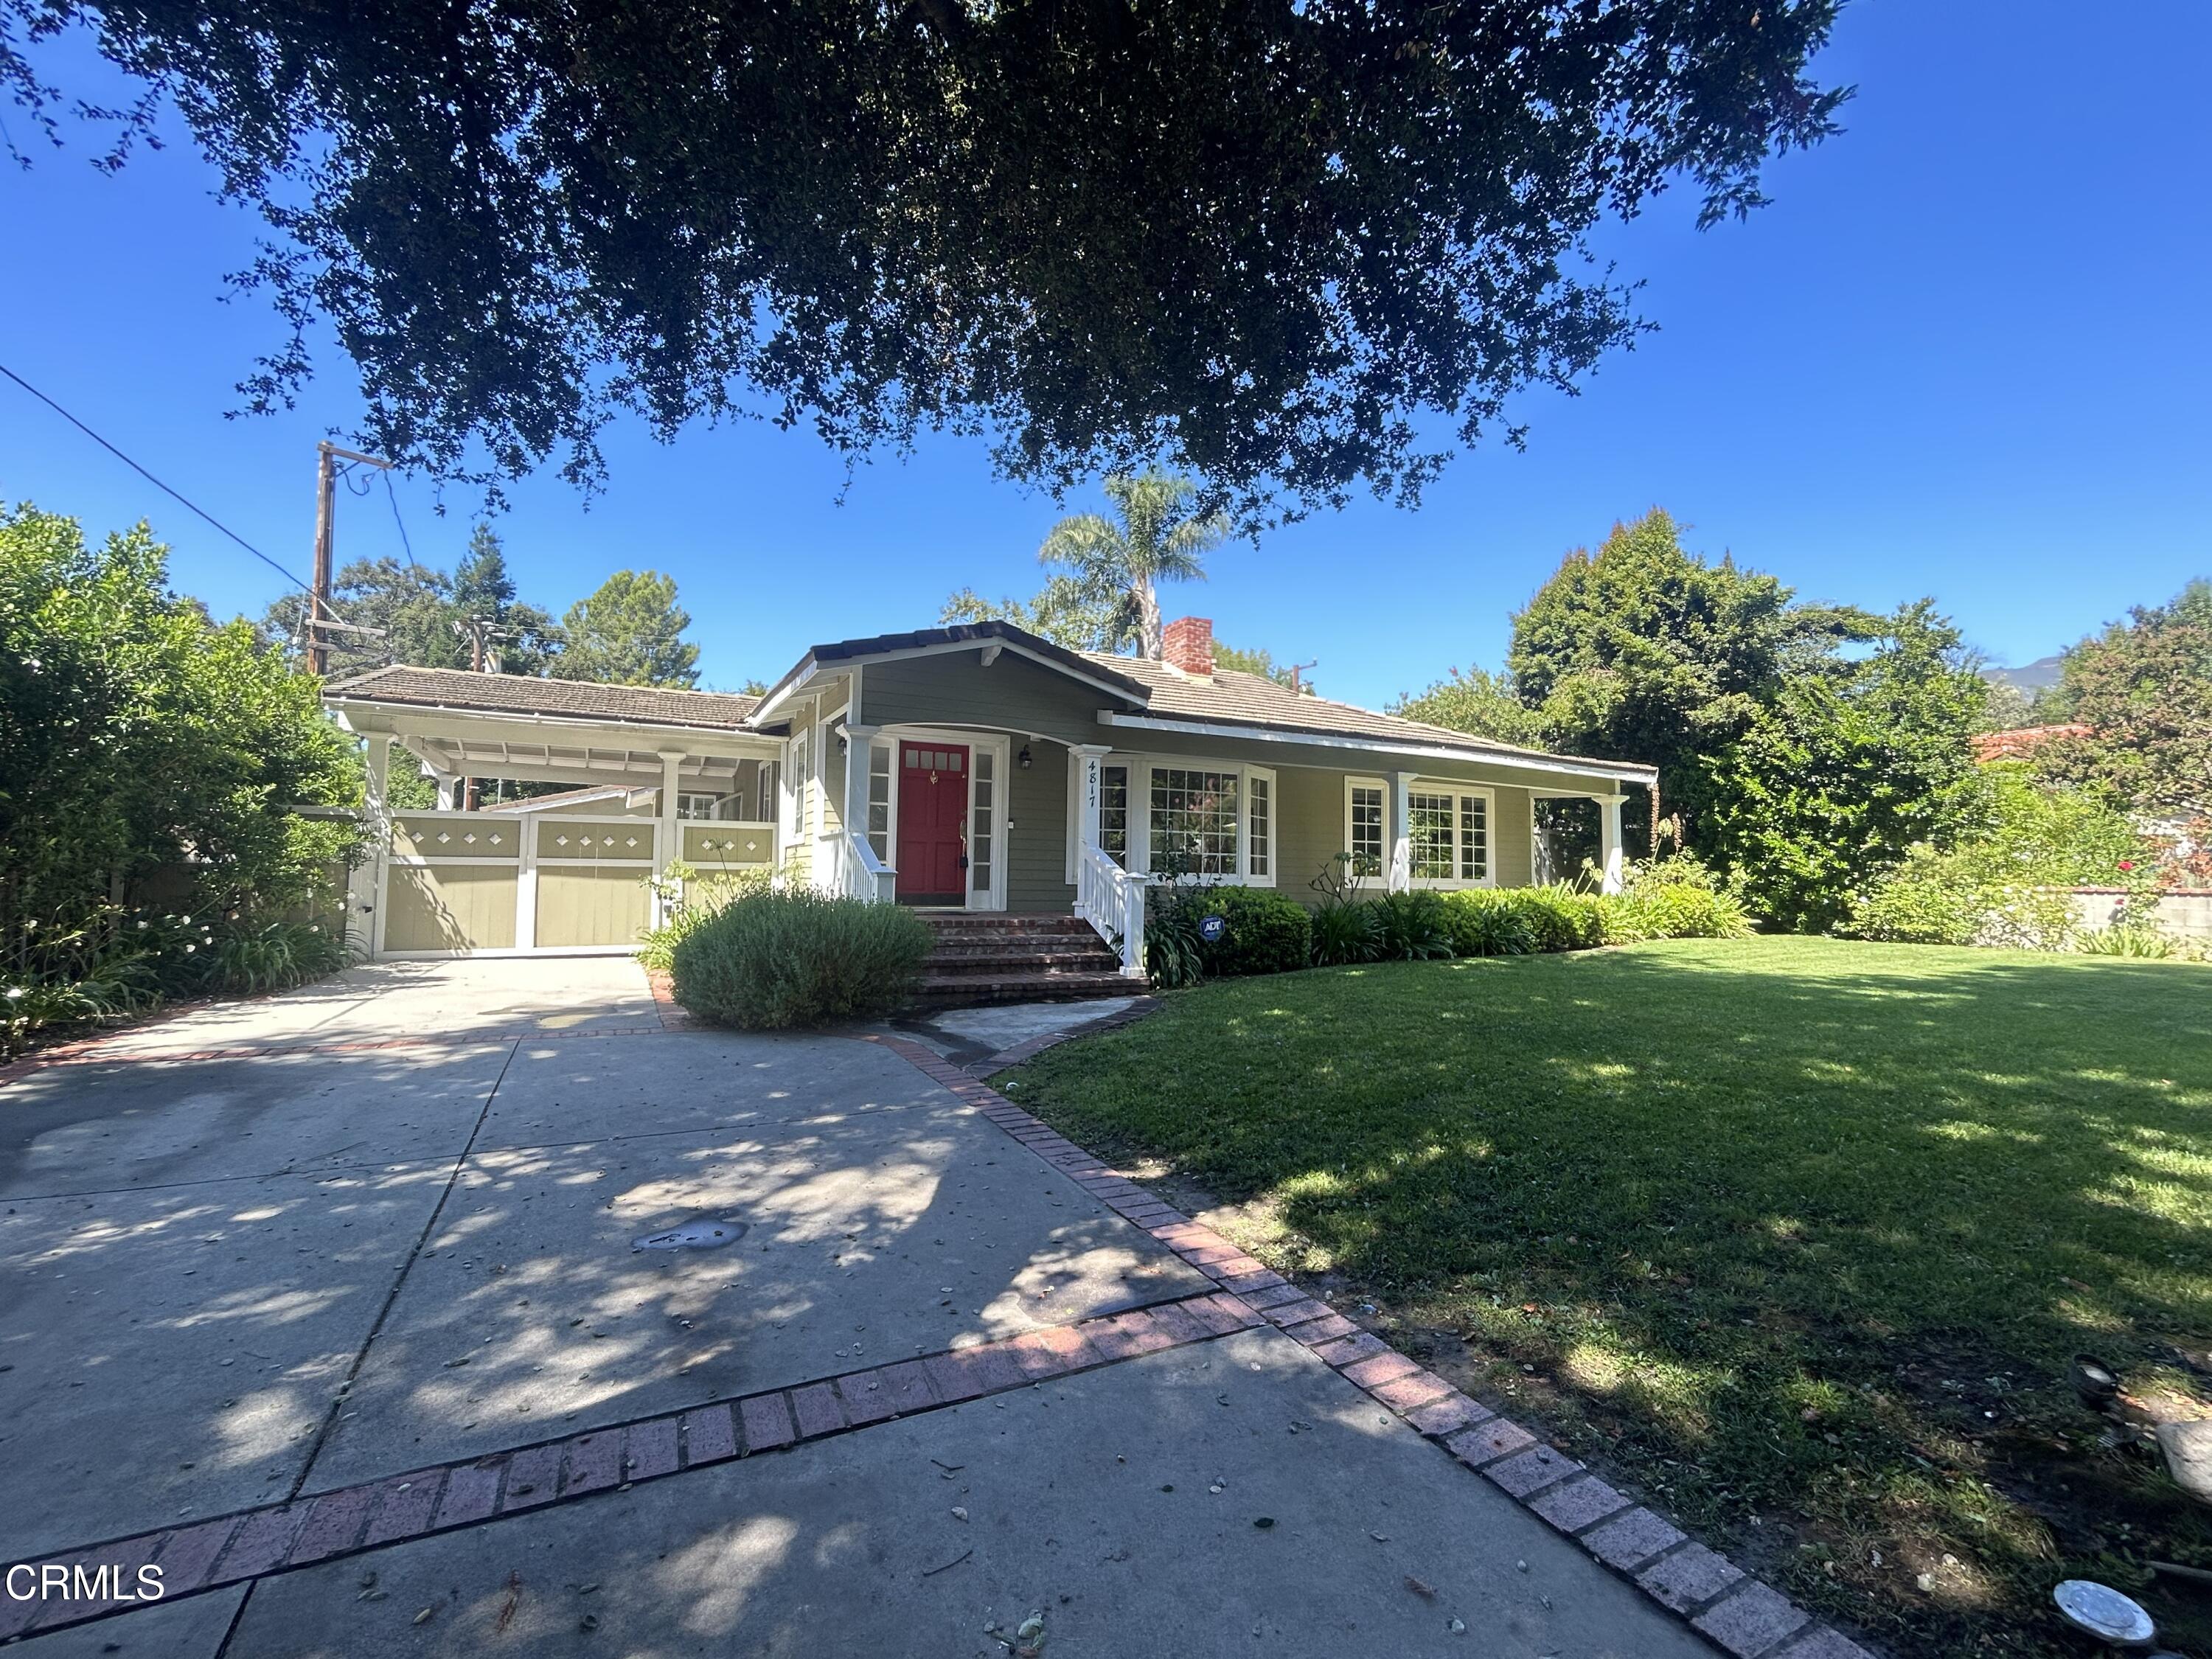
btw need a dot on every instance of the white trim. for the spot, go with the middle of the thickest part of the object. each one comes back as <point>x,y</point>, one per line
<point>1612,771</point>
<point>1001,746</point>
<point>342,705</point>
<point>1140,764</point>
<point>1405,785</point>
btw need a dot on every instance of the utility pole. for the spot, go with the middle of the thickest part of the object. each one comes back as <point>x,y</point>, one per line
<point>1299,673</point>
<point>319,620</point>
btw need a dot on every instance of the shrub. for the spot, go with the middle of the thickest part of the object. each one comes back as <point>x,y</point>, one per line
<point>692,899</point>
<point>1997,884</point>
<point>770,960</point>
<point>1175,954</point>
<point>1561,918</point>
<point>1675,898</point>
<point>1268,933</point>
<point>1485,922</point>
<point>1345,927</point>
<point>1410,928</point>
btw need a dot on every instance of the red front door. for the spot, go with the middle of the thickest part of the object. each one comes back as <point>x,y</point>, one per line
<point>932,824</point>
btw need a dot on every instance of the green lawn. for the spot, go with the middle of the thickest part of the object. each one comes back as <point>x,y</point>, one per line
<point>1793,1236</point>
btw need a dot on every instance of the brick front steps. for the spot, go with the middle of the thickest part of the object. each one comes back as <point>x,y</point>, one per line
<point>1742,1616</point>
<point>1003,958</point>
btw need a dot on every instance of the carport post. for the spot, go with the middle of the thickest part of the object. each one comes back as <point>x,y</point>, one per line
<point>367,883</point>
<point>665,846</point>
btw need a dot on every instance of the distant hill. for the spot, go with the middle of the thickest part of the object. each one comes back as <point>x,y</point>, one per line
<point>2037,675</point>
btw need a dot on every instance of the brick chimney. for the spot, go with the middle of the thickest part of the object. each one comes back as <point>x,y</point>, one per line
<point>1188,643</point>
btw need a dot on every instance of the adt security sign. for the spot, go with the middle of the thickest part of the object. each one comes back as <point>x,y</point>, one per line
<point>1211,929</point>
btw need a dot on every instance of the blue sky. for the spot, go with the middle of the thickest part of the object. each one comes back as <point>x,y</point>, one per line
<point>1967,352</point>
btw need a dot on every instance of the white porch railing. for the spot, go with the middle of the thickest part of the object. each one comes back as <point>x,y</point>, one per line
<point>861,874</point>
<point>1112,901</point>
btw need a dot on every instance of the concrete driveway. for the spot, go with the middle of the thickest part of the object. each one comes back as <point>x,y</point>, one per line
<point>284,1280</point>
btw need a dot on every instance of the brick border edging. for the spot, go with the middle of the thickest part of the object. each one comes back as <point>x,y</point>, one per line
<point>251,1544</point>
<point>1741,1613</point>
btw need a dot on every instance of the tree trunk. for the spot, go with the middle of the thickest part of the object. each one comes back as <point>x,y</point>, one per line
<point>1151,637</point>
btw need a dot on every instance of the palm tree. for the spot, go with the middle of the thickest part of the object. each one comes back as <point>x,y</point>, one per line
<point>1155,542</point>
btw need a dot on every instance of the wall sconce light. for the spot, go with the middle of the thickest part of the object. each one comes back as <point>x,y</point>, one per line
<point>843,743</point>
<point>1022,759</point>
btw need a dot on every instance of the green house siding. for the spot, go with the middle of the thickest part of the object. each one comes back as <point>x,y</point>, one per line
<point>1012,695</point>
<point>1036,865</point>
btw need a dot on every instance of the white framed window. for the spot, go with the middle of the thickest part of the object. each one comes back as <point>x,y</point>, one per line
<point>698,806</point>
<point>1114,812</point>
<point>1365,813</point>
<point>983,820</point>
<point>1259,825</point>
<point>1447,831</point>
<point>879,800</point>
<point>1192,819</point>
<point>802,787</point>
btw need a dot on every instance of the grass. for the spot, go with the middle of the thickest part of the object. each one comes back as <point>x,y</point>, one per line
<point>1795,1236</point>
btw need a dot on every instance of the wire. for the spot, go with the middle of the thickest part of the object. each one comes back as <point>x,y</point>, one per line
<point>150,477</point>
<point>393,495</point>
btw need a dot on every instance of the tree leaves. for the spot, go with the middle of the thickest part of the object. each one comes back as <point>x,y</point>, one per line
<point>1277,247</point>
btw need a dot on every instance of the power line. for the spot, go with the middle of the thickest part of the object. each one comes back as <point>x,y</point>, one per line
<point>393,495</point>
<point>150,477</point>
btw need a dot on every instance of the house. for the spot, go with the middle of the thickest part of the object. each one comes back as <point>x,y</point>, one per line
<point>969,769</point>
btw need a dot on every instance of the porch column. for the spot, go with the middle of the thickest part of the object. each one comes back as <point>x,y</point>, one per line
<point>1089,792</point>
<point>1400,844</point>
<point>858,744</point>
<point>1608,842</point>
<point>365,882</point>
<point>665,846</point>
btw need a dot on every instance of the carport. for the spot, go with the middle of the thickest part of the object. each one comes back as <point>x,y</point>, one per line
<point>685,780</point>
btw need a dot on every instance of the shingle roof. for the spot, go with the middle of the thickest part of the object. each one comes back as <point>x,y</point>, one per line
<point>519,694</point>
<point>1230,697</point>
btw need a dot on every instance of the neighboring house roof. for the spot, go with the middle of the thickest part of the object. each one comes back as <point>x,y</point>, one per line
<point>522,694</point>
<point>564,798</point>
<point>2021,742</point>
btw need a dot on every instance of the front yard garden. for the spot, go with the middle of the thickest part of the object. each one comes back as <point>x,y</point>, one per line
<point>1796,1237</point>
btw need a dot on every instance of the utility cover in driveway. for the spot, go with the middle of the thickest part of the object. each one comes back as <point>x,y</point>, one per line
<point>704,1235</point>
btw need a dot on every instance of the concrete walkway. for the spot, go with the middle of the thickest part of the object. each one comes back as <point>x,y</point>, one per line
<point>245,1259</point>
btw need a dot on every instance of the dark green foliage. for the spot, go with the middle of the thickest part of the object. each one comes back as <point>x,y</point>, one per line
<point>1174,955</point>
<point>766,961</point>
<point>419,610</point>
<point>140,744</point>
<point>1345,928</point>
<point>1269,932</point>
<point>1490,921</point>
<point>2143,688</point>
<point>1272,246</point>
<point>1476,701</point>
<point>1410,928</point>
<point>1852,763</point>
<point>1347,933</point>
<point>1643,651</point>
<point>629,631</point>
